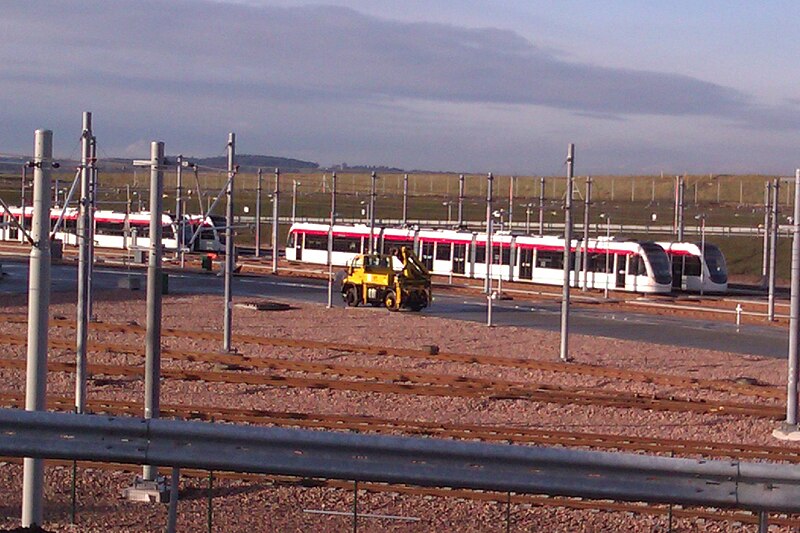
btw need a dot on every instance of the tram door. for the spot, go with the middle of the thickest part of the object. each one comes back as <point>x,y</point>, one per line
<point>427,254</point>
<point>677,272</point>
<point>459,258</point>
<point>525,263</point>
<point>621,268</point>
<point>298,246</point>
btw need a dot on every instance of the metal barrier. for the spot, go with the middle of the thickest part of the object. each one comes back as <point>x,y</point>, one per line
<point>414,461</point>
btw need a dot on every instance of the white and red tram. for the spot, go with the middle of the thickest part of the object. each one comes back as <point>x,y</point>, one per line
<point>118,230</point>
<point>692,269</point>
<point>619,265</point>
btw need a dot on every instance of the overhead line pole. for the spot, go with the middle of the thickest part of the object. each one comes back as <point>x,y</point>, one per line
<point>258,213</point>
<point>767,215</point>
<point>489,226</point>
<point>179,205</point>
<point>330,240</point>
<point>372,195</point>
<point>92,209</point>
<point>564,348</point>
<point>275,211</point>
<point>460,200</point>
<point>152,374</point>
<point>38,318</point>
<point>84,266</point>
<point>773,250</point>
<point>405,199</point>
<point>587,203</point>
<point>541,206</point>
<point>230,249</point>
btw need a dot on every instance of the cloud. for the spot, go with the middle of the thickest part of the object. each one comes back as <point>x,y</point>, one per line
<point>169,66</point>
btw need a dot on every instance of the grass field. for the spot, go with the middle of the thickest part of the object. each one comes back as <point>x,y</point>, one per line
<point>723,200</point>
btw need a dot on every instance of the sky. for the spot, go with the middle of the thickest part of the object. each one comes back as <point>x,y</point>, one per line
<point>464,86</point>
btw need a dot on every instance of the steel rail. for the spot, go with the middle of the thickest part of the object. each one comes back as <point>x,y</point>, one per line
<point>459,388</point>
<point>766,392</point>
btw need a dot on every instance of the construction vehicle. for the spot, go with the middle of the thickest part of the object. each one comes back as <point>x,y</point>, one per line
<point>372,279</point>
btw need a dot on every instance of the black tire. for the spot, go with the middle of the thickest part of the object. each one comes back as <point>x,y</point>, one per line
<point>350,296</point>
<point>390,301</point>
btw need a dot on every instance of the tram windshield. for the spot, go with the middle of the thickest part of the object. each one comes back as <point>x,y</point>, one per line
<point>717,269</point>
<point>659,262</point>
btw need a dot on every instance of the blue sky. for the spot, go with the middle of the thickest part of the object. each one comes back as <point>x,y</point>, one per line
<point>639,87</point>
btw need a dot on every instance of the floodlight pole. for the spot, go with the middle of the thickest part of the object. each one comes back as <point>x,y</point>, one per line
<point>38,318</point>
<point>230,249</point>
<point>82,319</point>
<point>330,240</point>
<point>794,314</point>
<point>773,250</point>
<point>275,206</point>
<point>564,348</point>
<point>460,200</point>
<point>258,212</point>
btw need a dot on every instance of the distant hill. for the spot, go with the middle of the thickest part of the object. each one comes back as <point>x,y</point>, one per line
<point>251,163</point>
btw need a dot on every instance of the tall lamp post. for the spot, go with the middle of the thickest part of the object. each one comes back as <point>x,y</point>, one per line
<point>295,183</point>
<point>527,217</point>
<point>449,206</point>
<point>499,214</point>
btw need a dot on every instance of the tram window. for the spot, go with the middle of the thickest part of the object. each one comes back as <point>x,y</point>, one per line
<point>316,242</point>
<point>167,232</point>
<point>632,264</point>
<point>636,266</point>
<point>443,251</point>
<point>289,242</point>
<point>549,259</point>
<point>346,244</point>
<point>109,228</point>
<point>597,262</point>
<point>691,266</point>
<point>506,254</point>
<point>480,253</point>
<point>142,230</point>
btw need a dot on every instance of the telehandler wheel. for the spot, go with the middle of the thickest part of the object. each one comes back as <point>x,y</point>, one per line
<point>390,300</point>
<point>351,297</point>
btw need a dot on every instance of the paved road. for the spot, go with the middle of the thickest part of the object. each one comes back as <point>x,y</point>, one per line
<point>692,333</point>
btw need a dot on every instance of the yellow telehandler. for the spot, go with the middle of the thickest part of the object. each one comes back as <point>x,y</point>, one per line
<point>372,279</point>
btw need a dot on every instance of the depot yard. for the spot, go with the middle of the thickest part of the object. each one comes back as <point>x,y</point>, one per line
<point>368,370</point>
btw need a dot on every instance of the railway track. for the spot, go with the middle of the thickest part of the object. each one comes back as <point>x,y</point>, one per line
<point>719,385</point>
<point>272,372</point>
